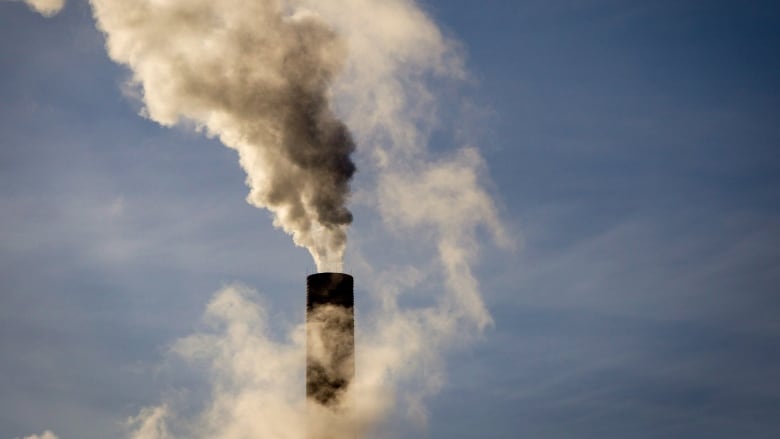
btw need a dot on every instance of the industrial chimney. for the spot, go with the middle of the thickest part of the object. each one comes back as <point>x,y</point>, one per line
<point>330,339</point>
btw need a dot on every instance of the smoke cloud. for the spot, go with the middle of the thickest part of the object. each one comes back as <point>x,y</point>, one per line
<point>269,77</point>
<point>257,75</point>
<point>150,423</point>
<point>45,435</point>
<point>47,8</point>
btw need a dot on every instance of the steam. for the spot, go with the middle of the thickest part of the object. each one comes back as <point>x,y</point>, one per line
<point>268,77</point>
<point>150,423</point>
<point>47,8</point>
<point>45,435</point>
<point>257,75</point>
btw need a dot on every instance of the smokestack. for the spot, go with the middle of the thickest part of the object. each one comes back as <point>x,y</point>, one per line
<point>330,338</point>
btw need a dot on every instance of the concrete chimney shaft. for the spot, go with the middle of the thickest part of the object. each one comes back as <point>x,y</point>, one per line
<point>330,337</point>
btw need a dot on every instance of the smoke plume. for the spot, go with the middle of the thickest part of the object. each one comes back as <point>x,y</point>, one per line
<point>257,75</point>
<point>268,77</point>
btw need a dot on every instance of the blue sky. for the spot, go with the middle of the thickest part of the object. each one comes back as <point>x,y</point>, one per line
<point>632,148</point>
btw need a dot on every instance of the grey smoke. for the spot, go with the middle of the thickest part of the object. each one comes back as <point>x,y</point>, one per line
<point>268,77</point>
<point>258,76</point>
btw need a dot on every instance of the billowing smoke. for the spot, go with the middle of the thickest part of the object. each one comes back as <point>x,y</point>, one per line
<point>47,8</point>
<point>268,77</point>
<point>256,74</point>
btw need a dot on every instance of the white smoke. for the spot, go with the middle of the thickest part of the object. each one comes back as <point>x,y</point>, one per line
<point>256,383</point>
<point>268,78</point>
<point>150,424</point>
<point>45,435</point>
<point>257,76</point>
<point>47,8</point>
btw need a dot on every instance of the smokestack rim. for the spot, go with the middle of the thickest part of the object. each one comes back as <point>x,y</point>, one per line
<point>329,288</point>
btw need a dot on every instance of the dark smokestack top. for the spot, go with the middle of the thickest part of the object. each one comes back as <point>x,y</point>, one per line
<point>330,337</point>
<point>329,289</point>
